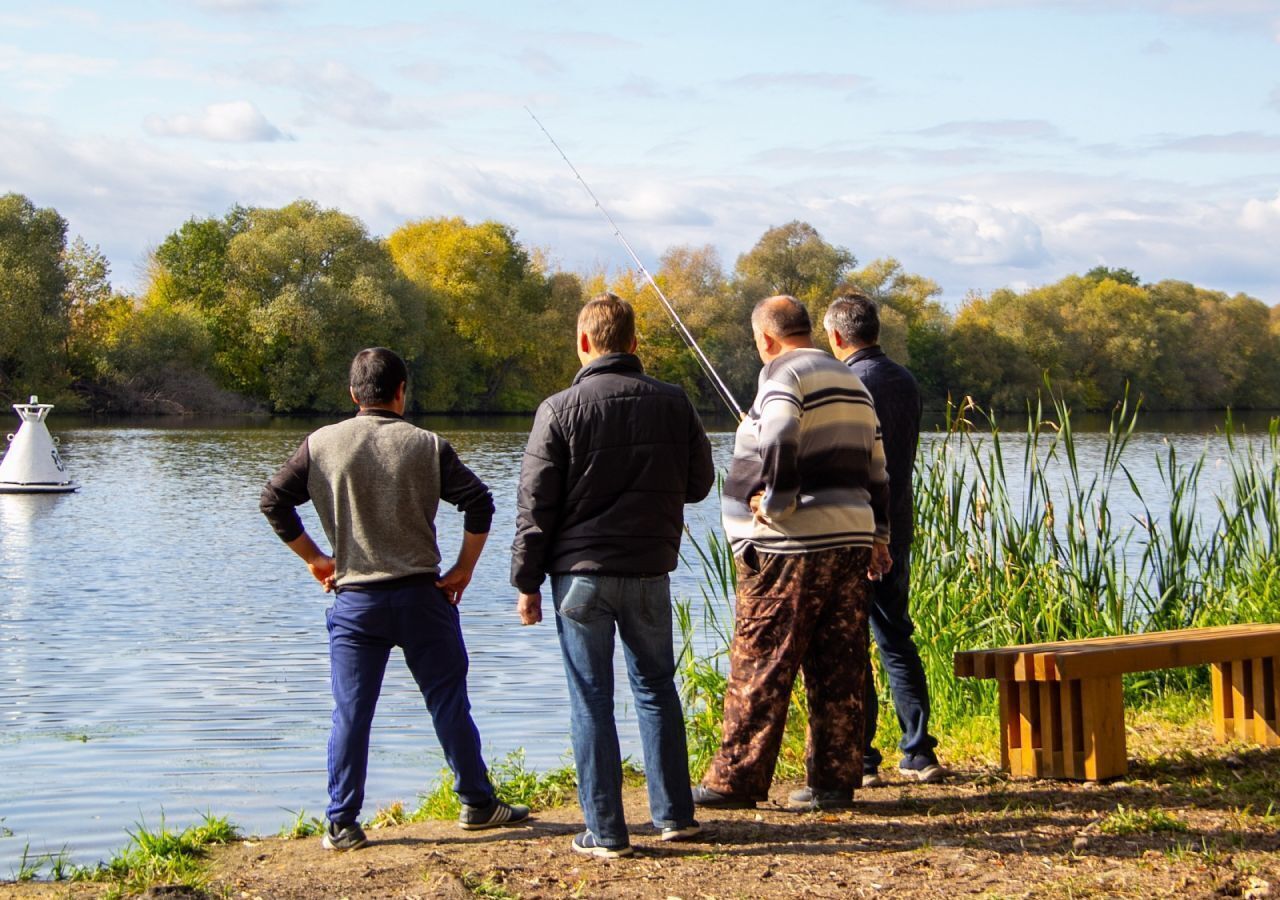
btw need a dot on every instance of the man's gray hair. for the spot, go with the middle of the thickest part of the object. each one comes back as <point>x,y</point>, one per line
<point>782,316</point>
<point>855,317</point>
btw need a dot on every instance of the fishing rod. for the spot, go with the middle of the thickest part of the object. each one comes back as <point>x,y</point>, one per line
<point>717,382</point>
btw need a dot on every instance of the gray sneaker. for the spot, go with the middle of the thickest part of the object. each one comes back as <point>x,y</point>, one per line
<point>681,832</point>
<point>925,771</point>
<point>810,799</point>
<point>872,779</point>
<point>343,837</point>
<point>587,844</point>
<point>475,818</point>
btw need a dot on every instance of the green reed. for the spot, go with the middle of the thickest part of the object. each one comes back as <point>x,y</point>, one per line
<point>1020,539</point>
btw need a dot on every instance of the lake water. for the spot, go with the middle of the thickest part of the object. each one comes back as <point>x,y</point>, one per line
<point>162,654</point>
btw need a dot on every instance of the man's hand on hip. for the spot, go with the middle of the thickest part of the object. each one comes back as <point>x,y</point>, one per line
<point>530,608</point>
<point>454,582</point>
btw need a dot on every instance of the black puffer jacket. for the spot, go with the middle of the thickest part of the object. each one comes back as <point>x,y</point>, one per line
<point>610,463</point>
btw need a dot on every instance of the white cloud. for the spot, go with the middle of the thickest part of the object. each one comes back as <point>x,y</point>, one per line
<point>996,129</point>
<point>1246,142</point>
<point>236,121</point>
<point>1261,215</point>
<point>980,230</point>
<point>814,81</point>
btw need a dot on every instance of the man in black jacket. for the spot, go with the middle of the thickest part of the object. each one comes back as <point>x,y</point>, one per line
<point>852,323</point>
<point>610,463</point>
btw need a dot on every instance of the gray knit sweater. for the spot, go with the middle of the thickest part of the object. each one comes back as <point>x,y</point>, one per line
<point>376,482</point>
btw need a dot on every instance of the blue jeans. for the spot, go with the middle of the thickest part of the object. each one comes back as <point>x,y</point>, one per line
<point>891,626</point>
<point>364,625</point>
<point>588,609</point>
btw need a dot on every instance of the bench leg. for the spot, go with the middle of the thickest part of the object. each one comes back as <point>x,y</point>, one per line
<point>1246,697</point>
<point>1102,726</point>
<point>1063,729</point>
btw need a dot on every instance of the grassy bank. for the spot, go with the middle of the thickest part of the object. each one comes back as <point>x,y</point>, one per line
<point>1020,538</point>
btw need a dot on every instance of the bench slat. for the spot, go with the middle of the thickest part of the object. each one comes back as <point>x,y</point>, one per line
<point>1119,654</point>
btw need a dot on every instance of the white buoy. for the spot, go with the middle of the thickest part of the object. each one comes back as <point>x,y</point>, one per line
<point>32,464</point>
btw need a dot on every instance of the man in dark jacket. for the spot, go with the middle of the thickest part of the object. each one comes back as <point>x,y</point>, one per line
<point>375,481</point>
<point>852,323</point>
<point>610,463</point>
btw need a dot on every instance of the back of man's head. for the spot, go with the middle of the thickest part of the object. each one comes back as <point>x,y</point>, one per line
<point>855,317</point>
<point>609,323</point>
<point>376,375</point>
<point>782,316</point>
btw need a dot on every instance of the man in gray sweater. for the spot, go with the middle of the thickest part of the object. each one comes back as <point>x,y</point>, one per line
<point>376,481</point>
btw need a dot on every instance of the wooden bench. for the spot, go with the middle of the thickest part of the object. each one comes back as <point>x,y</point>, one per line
<point>1062,704</point>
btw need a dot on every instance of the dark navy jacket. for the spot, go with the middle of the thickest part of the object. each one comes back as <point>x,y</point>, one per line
<point>899,408</point>
<point>609,466</point>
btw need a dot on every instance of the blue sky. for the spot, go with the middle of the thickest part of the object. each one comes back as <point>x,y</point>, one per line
<point>984,143</point>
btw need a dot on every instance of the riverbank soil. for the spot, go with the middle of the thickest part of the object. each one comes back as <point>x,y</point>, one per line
<point>1191,820</point>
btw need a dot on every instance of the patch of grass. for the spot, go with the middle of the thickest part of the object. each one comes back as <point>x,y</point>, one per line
<point>389,816</point>
<point>1189,852</point>
<point>302,826</point>
<point>513,782</point>
<point>486,886</point>
<point>28,866</point>
<point>5,832</point>
<point>1124,821</point>
<point>161,856</point>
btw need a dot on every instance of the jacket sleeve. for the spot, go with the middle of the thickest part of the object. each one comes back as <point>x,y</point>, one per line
<point>878,485</point>
<point>460,486</point>
<point>539,500</point>
<point>702,471</point>
<point>286,491</point>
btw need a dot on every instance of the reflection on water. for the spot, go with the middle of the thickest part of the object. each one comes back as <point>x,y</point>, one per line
<point>162,653</point>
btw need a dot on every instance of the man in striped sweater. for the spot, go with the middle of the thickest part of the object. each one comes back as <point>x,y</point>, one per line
<point>806,509</point>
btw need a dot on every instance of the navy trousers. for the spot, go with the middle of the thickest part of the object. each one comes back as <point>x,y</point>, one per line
<point>891,626</point>
<point>364,624</point>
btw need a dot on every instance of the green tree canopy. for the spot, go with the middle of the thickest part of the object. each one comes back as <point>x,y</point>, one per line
<point>33,303</point>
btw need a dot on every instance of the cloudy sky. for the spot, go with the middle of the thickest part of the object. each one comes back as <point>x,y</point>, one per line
<point>984,143</point>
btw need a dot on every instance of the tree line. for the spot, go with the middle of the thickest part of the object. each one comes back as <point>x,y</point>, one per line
<point>263,309</point>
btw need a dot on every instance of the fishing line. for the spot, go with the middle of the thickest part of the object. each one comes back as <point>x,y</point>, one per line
<point>717,382</point>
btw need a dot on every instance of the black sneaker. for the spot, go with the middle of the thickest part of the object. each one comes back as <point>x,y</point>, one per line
<point>705,796</point>
<point>587,844</point>
<point>343,837</point>
<point>808,799</point>
<point>474,818</point>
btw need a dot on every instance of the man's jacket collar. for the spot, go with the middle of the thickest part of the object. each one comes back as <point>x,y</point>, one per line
<point>623,363</point>
<point>865,353</point>
<point>380,413</point>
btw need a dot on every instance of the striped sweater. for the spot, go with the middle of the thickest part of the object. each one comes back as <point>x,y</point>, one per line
<point>811,443</point>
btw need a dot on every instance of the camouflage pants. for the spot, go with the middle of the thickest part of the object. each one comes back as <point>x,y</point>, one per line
<point>795,612</point>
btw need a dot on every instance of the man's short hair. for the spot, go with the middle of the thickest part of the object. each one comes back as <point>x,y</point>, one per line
<point>782,316</point>
<point>610,323</point>
<point>855,317</point>
<point>376,375</point>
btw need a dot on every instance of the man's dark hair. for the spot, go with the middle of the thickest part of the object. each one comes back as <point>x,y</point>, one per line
<point>376,375</point>
<point>610,323</point>
<point>855,317</point>
<point>782,316</point>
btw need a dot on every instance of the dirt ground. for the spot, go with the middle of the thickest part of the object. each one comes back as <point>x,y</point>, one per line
<point>977,835</point>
